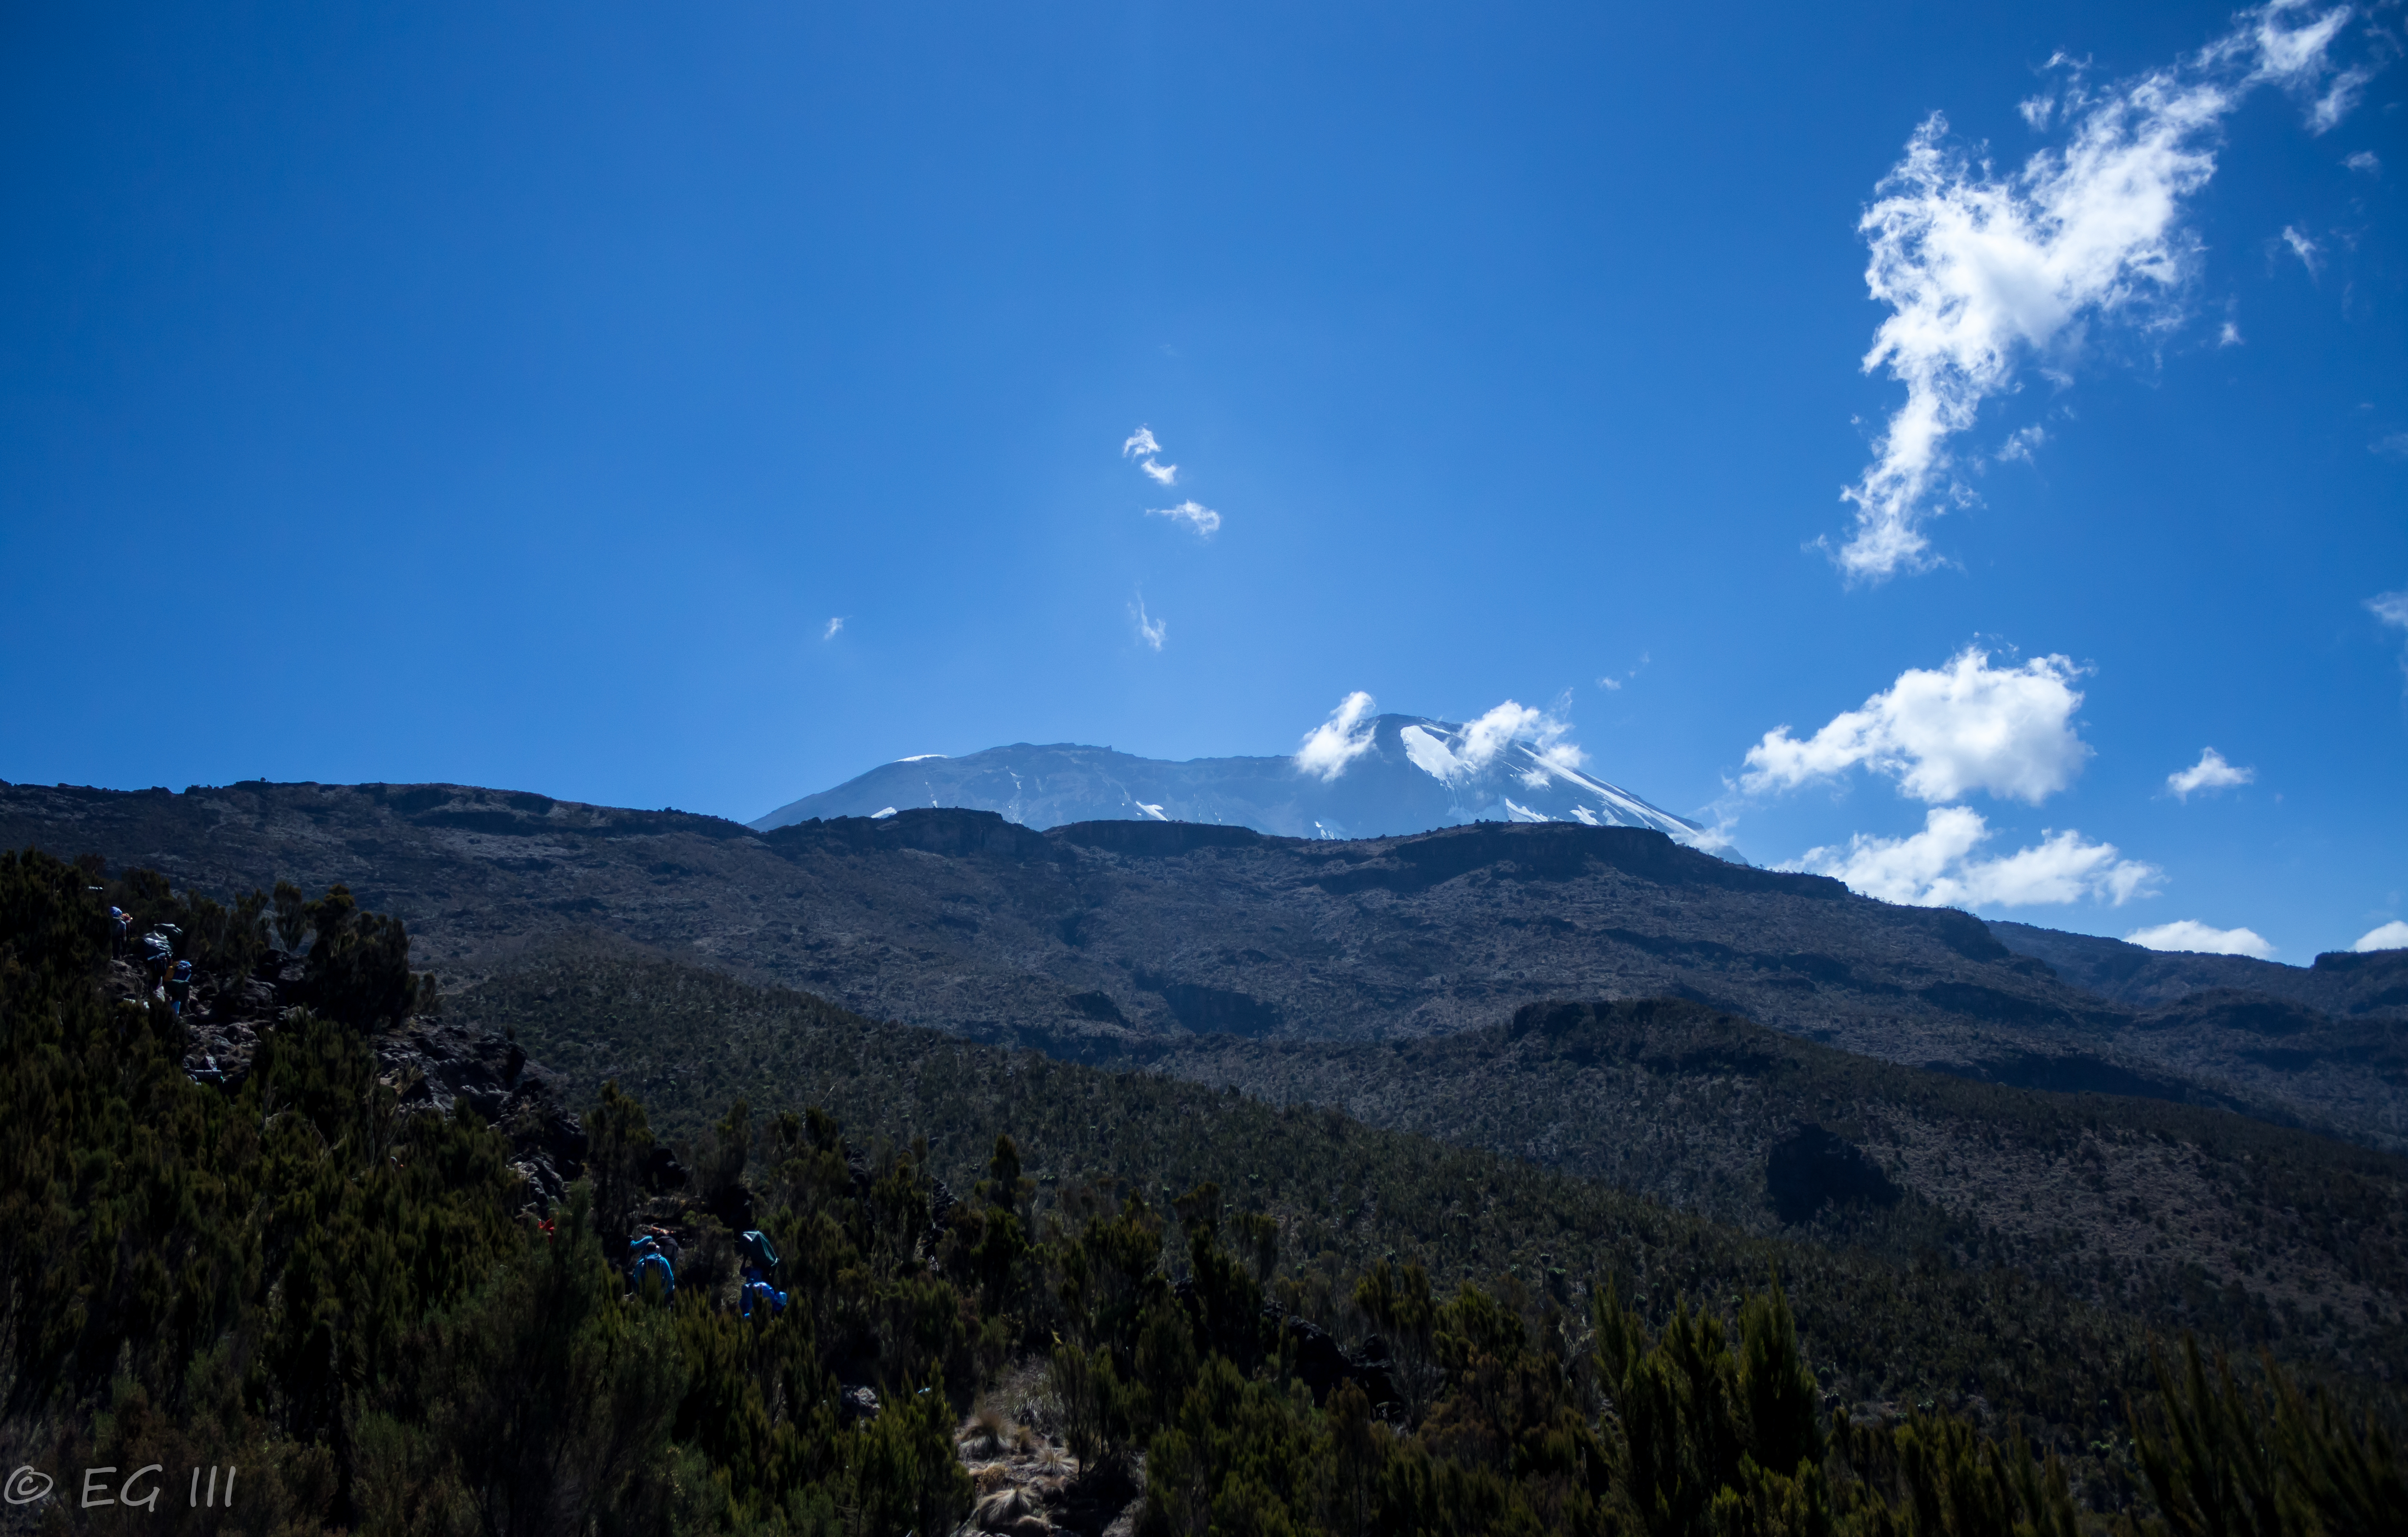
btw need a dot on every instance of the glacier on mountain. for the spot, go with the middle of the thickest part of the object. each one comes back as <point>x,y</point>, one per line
<point>1392,775</point>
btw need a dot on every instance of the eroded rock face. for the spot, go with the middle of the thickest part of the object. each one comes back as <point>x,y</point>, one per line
<point>434,1065</point>
<point>430,1063</point>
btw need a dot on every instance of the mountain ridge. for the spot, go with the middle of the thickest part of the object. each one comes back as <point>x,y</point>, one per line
<point>1112,941</point>
<point>1391,775</point>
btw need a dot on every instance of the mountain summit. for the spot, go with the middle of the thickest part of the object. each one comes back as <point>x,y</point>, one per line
<point>1393,774</point>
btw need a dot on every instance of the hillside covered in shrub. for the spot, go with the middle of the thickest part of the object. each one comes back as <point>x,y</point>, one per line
<point>382,1322</point>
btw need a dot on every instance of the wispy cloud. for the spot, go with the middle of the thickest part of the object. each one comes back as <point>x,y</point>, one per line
<point>2309,253</point>
<point>1982,270</point>
<point>1150,630</point>
<point>835,628</point>
<point>1144,447</point>
<point>1944,734</point>
<point>1938,867</point>
<point>2391,936</point>
<point>1613,684</point>
<point>2211,773</point>
<point>1339,740</point>
<point>1544,733</point>
<point>2021,442</point>
<point>2189,934</point>
<point>1195,515</point>
<point>2392,608</point>
<point>2390,446</point>
<point>2365,160</point>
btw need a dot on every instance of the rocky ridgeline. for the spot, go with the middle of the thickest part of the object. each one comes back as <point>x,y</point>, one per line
<point>429,1064</point>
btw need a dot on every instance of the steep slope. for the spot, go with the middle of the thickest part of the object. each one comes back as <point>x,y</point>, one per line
<point>2337,1030</point>
<point>1110,939</point>
<point>2339,982</point>
<point>2187,1215</point>
<point>1344,1195</point>
<point>1400,774</point>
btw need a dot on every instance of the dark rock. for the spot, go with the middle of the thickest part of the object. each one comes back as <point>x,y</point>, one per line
<point>662,1170</point>
<point>434,1066</point>
<point>1321,1365</point>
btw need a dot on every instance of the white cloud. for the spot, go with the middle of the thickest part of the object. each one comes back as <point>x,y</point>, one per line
<point>1140,442</point>
<point>1936,868</point>
<point>1163,474</point>
<point>2229,336</point>
<point>2390,446</point>
<point>2392,608</point>
<point>1148,630</point>
<point>1192,513</point>
<point>1542,733</point>
<point>2197,938</point>
<point>2211,773</point>
<point>2021,442</point>
<point>1981,271</point>
<point>1613,685</point>
<point>2364,161</point>
<point>2391,936</point>
<point>834,626</point>
<point>1469,750</point>
<point>1339,740</point>
<point>2008,731</point>
<point>2304,249</point>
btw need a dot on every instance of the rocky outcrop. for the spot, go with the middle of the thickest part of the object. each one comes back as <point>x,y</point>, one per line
<point>434,1066</point>
<point>431,1064</point>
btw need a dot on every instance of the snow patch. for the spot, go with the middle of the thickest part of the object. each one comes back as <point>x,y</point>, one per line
<point>1430,755</point>
<point>881,816</point>
<point>1154,811</point>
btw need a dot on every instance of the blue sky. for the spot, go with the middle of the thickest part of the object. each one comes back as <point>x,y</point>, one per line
<point>515,397</point>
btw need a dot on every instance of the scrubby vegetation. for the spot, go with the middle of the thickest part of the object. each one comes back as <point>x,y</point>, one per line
<point>361,1308</point>
<point>2190,1218</point>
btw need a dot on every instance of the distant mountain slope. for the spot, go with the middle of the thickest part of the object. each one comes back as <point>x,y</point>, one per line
<point>687,1041</point>
<point>2340,982</point>
<point>1406,775</point>
<point>1107,938</point>
<point>2195,1217</point>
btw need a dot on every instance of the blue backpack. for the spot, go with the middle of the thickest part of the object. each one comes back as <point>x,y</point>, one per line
<point>774,1298</point>
<point>654,1262</point>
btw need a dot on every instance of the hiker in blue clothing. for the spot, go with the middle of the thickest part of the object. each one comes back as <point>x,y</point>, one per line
<point>652,1255</point>
<point>756,1288</point>
<point>159,954</point>
<point>760,1266</point>
<point>119,921</point>
<point>180,985</point>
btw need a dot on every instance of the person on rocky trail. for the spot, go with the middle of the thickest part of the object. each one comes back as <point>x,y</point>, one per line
<point>648,1255</point>
<point>120,923</point>
<point>756,1288</point>
<point>760,1272</point>
<point>158,954</point>
<point>179,986</point>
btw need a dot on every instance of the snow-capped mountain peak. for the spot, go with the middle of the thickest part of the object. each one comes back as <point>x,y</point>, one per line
<point>1385,775</point>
